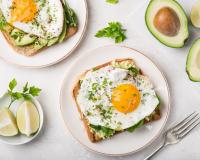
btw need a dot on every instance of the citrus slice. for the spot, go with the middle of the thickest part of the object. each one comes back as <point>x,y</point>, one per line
<point>28,119</point>
<point>195,14</point>
<point>8,126</point>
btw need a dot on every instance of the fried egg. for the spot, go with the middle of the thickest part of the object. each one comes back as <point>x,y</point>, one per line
<point>43,18</point>
<point>113,98</point>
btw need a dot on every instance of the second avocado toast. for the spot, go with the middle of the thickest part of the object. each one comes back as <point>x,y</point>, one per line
<point>28,44</point>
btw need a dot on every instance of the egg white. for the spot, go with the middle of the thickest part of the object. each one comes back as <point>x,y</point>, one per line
<point>48,22</point>
<point>112,118</point>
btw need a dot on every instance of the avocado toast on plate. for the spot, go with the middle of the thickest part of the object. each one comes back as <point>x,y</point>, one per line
<point>104,109</point>
<point>30,26</point>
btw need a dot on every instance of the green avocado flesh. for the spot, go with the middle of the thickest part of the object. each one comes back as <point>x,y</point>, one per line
<point>64,31</point>
<point>167,22</point>
<point>193,62</point>
<point>40,43</point>
<point>52,41</point>
<point>21,39</point>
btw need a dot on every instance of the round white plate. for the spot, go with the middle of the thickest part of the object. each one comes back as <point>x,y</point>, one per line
<point>123,143</point>
<point>20,138</point>
<point>55,53</point>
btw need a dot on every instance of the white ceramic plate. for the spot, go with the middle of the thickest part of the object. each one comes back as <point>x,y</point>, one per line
<point>123,143</point>
<point>20,138</point>
<point>55,53</point>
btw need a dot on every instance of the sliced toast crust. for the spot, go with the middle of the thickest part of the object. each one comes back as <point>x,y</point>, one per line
<point>92,135</point>
<point>30,50</point>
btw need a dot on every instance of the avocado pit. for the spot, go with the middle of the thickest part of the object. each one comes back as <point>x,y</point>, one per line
<point>167,21</point>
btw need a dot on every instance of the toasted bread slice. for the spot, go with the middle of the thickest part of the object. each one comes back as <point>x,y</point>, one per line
<point>156,115</point>
<point>30,50</point>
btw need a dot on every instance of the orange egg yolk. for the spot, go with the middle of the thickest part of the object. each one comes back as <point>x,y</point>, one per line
<point>23,11</point>
<point>125,98</point>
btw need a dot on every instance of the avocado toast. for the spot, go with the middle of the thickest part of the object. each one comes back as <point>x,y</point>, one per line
<point>97,132</point>
<point>29,44</point>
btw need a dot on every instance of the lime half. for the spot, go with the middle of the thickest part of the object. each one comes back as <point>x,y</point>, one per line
<point>28,119</point>
<point>8,126</point>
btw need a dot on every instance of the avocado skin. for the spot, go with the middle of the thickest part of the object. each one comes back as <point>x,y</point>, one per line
<point>157,37</point>
<point>190,77</point>
<point>187,61</point>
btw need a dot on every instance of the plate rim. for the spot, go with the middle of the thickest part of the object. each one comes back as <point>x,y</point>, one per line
<point>62,58</point>
<point>130,152</point>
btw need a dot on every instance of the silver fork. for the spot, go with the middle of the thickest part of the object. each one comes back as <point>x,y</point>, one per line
<point>178,132</point>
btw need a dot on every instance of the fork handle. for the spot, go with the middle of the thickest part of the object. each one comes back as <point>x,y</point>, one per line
<point>156,151</point>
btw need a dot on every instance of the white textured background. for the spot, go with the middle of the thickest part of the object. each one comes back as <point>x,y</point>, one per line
<point>54,141</point>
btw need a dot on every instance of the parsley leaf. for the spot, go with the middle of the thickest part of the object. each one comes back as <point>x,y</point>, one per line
<point>72,19</point>
<point>17,95</point>
<point>25,88</point>
<point>114,31</point>
<point>91,96</point>
<point>26,93</point>
<point>112,1</point>
<point>12,84</point>
<point>34,91</point>
<point>134,71</point>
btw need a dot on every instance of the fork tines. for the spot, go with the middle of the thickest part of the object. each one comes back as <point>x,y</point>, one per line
<point>187,125</point>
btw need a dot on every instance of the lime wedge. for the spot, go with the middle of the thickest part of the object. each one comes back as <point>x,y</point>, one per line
<point>28,119</point>
<point>8,126</point>
<point>195,15</point>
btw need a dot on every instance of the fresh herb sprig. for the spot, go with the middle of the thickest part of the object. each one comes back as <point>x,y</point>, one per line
<point>72,19</point>
<point>114,31</point>
<point>26,93</point>
<point>134,71</point>
<point>112,1</point>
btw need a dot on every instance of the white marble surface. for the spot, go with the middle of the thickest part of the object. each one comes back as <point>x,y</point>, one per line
<point>55,142</point>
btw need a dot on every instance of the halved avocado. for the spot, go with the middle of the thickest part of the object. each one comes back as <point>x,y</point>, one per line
<point>193,62</point>
<point>167,22</point>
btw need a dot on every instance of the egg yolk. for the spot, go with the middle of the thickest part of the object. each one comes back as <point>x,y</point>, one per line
<point>23,11</point>
<point>125,98</point>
